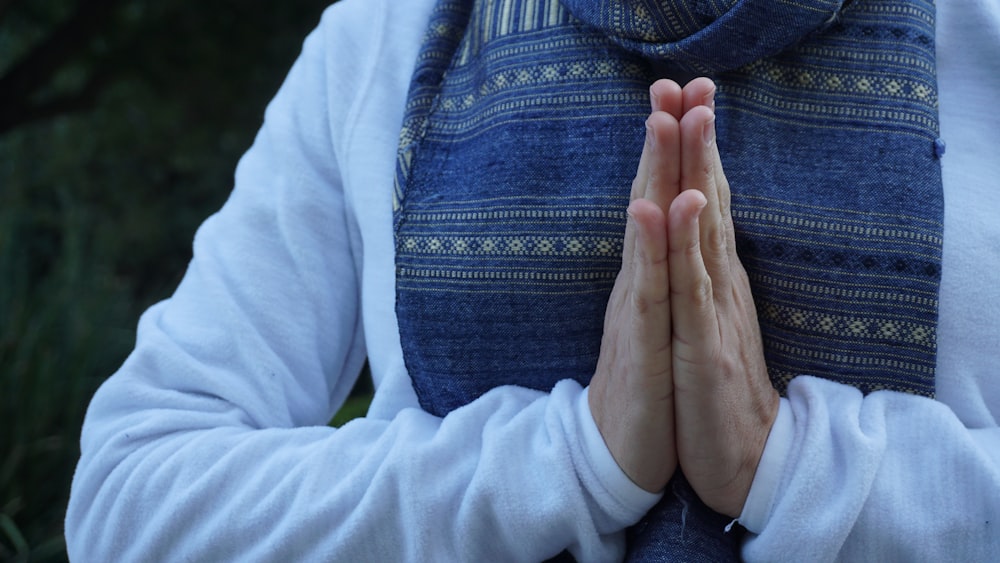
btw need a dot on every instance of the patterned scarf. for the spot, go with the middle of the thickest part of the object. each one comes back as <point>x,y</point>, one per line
<point>523,128</point>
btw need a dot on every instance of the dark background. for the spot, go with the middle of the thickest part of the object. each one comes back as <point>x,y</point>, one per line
<point>121,122</point>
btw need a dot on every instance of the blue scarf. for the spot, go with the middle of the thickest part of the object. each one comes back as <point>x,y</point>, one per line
<point>523,128</point>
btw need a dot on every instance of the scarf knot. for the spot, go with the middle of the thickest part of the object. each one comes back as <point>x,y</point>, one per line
<point>705,36</point>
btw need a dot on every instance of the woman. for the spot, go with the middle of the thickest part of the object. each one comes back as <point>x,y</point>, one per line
<point>487,437</point>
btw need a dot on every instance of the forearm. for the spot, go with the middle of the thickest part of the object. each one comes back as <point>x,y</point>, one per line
<point>211,444</point>
<point>887,476</point>
<point>184,476</point>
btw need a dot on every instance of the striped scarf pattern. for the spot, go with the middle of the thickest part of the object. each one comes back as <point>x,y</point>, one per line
<point>523,127</point>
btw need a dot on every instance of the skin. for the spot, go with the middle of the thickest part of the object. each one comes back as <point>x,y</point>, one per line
<point>681,378</point>
<point>632,393</point>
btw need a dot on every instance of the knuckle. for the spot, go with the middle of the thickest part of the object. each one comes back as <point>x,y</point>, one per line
<point>708,171</point>
<point>701,291</point>
<point>717,239</point>
<point>691,249</point>
<point>638,187</point>
<point>643,303</point>
<point>640,305</point>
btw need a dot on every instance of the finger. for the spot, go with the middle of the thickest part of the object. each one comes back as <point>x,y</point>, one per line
<point>664,168</point>
<point>701,92</point>
<point>725,205</point>
<point>666,95</point>
<point>698,92</point>
<point>642,171</point>
<point>694,325</point>
<point>650,290</point>
<point>698,172</point>
<point>638,191</point>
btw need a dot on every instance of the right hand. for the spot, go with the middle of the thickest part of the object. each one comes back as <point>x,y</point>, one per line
<point>632,392</point>
<point>725,403</point>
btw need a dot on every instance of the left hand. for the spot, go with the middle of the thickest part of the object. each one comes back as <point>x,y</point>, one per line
<point>631,393</point>
<point>724,404</point>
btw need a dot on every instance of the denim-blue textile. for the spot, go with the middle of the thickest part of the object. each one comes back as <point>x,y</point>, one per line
<point>523,128</point>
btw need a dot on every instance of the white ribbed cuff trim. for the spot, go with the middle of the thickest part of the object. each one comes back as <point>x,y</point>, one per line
<point>760,500</point>
<point>632,498</point>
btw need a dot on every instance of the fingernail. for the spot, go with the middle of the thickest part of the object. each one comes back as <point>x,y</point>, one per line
<point>650,137</point>
<point>708,132</point>
<point>709,100</point>
<point>654,100</point>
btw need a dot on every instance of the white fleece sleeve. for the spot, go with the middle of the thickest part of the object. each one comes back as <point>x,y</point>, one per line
<point>211,444</point>
<point>890,477</point>
<point>883,477</point>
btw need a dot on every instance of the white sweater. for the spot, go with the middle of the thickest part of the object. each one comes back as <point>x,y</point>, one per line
<point>210,443</point>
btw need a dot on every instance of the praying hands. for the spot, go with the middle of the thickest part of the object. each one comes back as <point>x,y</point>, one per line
<point>681,378</point>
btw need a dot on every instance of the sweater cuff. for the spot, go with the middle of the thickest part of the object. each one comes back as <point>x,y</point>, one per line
<point>764,489</point>
<point>633,501</point>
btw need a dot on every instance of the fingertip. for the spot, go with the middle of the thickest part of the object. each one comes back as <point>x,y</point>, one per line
<point>707,87</point>
<point>687,206</point>
<point>663,126</point>
<point>699,122</point>
<point>644,211</point>
<point>684,223</point>
<point>664,88</point>
<point>647,222</point>
<point>700,201</point>
<point>698,114</point>
<point>708,131</point>
<point>636,211</point>
<point>666,95</point>
<point>699,92</point>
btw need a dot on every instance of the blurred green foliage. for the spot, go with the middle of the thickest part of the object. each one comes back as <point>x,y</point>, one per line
<point>115,143</point>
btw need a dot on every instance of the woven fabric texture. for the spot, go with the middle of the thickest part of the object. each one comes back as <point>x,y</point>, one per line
<point>523,128</point>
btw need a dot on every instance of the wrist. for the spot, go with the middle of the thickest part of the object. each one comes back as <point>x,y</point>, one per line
<point>763,492</point>
<point>753,452</point>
